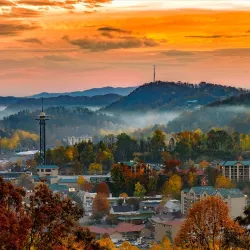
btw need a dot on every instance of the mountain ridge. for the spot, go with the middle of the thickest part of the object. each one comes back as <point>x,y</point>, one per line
<point>123,91</point>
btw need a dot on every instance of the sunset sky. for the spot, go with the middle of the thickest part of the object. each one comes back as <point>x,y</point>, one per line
<point>72,45</point>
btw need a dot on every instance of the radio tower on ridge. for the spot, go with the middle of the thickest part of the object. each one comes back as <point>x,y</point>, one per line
<point>154,73</point>
<point>42,118</point>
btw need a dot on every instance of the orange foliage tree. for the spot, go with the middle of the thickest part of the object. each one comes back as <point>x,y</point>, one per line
<point>100,206</point>
<point>127,246</point>
<point>106,243</point>
<point>205,225</point>
<point>103,188</point>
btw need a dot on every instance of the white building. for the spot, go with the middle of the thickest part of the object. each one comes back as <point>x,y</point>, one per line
<point>233,197</point>
<point>72,140</point>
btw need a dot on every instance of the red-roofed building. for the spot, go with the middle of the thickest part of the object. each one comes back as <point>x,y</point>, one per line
<point>121,231</point>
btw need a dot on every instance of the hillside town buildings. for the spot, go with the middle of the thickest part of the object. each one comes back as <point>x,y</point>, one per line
<point>72,140</point>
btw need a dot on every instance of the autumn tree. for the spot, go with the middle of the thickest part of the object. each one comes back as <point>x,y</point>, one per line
<point>106,243</point>
<point>123,195</point>
<point>53,218</point>
<point>46,222</point>
<point>173,186</point>
<point>192,179</point>
<point>171,166</point>
<point>14,222</point>
<point>101,206</point>
<point>139,190</point>
<point>223,182</point>
<point>127,246</point>
<point>80,182</point>
<point>88,186</point>
<point>235,240</point>
<point>205,225</point>
<point>102,188</point>
<point>95,168</point>
<point>165,244</point>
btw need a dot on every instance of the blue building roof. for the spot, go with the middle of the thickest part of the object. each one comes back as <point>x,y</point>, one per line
<point>232,192</point>
<point>200,190</point>
<point>56,187</point>
<point>67,180</point>
<point>47,167</point>
<point>232,163</point>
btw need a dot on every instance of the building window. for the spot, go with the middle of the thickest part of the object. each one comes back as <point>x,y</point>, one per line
<point>42,170</point>
<point>38,170</point>
<point>48,170</point>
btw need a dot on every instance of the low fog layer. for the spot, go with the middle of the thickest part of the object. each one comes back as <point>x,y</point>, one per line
<point>144,120</point>
<point>234,117</point>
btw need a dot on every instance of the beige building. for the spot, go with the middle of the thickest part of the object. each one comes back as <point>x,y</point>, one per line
<point>234,198</point>
<point>50,171</point>
<point>167,228</point>
<point>237,171</point>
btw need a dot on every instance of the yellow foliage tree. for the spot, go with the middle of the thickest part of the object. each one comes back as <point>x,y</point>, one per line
<point>16,138</point>
<point>81,180</point>
<point>69,153</point>
<point>223,182</point>
<point>192,179</point>
<point>95,168</point>
<point>127,246</point>
<point>106,243</point>
<point>173,186</point>
<point>166,243</point>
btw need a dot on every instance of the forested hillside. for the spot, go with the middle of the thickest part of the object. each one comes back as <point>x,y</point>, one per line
<point>165,96</point>
<point>231,113</point>
<point>33,104</point>
<point>63,122</point>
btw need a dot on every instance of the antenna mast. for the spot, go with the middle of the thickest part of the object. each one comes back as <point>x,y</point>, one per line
<point>154,73</point>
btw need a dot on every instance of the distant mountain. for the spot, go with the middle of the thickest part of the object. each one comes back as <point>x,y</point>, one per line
<point>165,96</point>
<point>7,100</point>
<point>34,104</point>
<point>90,92</point>
<point>230,113</point>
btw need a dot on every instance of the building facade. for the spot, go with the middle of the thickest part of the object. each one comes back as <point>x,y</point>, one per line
<point>47,170</point>
<point>234,198</point>
<point>167,228</point>
<point>72,140</point>
<point>237,171</point>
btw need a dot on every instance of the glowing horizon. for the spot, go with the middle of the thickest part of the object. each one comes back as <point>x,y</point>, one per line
<point>65,46</point>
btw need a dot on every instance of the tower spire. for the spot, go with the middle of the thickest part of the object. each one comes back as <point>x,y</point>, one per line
<point>42,118</point>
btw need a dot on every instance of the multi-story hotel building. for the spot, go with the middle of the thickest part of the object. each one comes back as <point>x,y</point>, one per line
<point>237,171</point>
<point>233,197</point>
